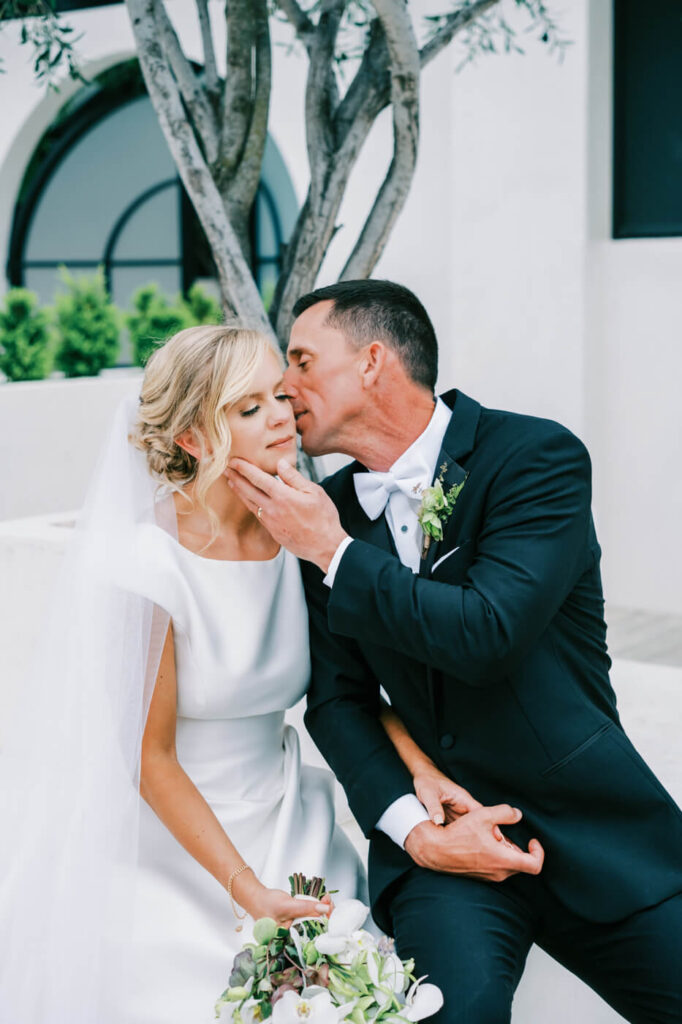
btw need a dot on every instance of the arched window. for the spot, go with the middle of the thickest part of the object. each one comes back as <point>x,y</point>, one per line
<point>101,188</point>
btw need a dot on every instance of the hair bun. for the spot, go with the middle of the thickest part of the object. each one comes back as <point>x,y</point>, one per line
<point>165,458</point>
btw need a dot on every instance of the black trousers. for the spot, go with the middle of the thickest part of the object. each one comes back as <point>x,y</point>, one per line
<point>472,939</point>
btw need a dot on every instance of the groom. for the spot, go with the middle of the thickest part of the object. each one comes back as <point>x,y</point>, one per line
<point>490,643</point>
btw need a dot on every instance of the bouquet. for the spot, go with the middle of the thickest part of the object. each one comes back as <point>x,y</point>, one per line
<point>323,970</point>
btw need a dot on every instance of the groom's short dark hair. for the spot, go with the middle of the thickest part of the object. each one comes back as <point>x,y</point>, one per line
<point>369,310</point>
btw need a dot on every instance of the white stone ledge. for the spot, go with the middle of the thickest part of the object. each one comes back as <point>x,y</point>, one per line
<point>650,702</point>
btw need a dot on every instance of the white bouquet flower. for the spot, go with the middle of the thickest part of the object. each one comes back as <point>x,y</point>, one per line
<point>324,970</point>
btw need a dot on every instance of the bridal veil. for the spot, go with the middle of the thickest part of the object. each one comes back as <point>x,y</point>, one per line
<point>69,785</point>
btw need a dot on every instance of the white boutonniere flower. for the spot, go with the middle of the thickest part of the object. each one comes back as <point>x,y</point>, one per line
<point>436,507</point>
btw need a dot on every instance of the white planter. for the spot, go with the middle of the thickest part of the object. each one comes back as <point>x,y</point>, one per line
<point>50,433</point>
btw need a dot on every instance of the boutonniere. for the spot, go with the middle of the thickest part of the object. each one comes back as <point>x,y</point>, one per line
<point>436,508</point>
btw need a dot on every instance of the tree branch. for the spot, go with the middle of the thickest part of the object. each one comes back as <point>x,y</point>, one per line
<point>315,224</point>
<point>210,67</point>
<point>238,289</point>
<point>367,95</point>
<point>299,21</point>
<point>314,230</point>
<point>192,93</point>
<point>453,24</point>
<point>320,96</point>
<point>245,185</point>
<point>301,264</point>
<point>371,87</point>
<point>238,91</point>
<point>372,77</point>
<point>405,70</point>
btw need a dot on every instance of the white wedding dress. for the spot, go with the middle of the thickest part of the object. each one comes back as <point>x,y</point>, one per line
<point>241,649</point>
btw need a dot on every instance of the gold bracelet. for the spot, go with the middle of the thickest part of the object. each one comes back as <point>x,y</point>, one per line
<point>235,911</point>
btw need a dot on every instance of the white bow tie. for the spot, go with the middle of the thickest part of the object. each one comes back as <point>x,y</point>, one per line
<point>374,489</point>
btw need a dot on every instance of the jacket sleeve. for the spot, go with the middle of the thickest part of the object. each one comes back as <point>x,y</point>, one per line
<point>342,716</point>
<point>530,551</point>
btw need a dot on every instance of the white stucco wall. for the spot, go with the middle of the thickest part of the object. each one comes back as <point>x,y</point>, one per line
<point>633,362</point>
<point>505,236</point>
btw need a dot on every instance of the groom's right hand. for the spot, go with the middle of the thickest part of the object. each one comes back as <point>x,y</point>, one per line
<point>470,846</point>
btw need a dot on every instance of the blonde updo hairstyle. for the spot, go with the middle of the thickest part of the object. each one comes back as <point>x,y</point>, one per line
<point>189,383</point>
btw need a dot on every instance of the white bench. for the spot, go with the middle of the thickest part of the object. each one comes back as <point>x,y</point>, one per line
<point>650,701</point>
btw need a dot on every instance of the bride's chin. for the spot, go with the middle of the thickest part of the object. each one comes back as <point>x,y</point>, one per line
<point>289,457</point>
<point>269,465</point>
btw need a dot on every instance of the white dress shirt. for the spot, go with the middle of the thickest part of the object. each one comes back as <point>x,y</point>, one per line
<point>418,465</point>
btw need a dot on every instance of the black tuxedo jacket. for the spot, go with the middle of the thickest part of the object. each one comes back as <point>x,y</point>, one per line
<point>495,658</point>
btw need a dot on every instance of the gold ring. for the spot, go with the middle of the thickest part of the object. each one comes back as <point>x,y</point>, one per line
<point>259,512</point>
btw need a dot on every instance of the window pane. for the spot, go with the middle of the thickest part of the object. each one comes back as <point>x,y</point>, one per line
<point>153,230</point>
<point>46,282</point>
<point>116,160</point>
<point>126,280</point>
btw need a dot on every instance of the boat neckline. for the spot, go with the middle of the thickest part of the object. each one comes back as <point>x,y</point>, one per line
<point>228,561</point>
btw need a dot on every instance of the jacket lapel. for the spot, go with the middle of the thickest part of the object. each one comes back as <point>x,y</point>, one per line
<point>457,444</point>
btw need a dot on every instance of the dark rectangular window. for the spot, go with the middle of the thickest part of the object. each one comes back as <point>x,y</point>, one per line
<point>647,152</point>
<point>79,5</point>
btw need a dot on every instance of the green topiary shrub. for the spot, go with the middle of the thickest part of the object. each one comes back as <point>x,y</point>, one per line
<point>88,326</point>
<point>155,319</point>
<point>202,307</point>
<point>25,347</point>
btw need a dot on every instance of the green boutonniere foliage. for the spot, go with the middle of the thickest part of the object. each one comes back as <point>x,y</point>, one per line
<point>436,507</point>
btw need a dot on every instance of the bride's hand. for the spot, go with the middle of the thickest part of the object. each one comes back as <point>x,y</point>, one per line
<point>443,799</point>
<point>259,901</point>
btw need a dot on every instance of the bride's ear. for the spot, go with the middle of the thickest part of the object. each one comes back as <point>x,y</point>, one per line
<point>188,442</point>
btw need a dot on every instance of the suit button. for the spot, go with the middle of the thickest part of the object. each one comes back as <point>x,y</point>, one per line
<point>447,741</point>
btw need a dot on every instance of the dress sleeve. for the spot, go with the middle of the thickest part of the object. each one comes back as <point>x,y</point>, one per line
<point>146,562</point>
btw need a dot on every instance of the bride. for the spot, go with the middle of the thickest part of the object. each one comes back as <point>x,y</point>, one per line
<point>177,642</point>
<point>219,768</point>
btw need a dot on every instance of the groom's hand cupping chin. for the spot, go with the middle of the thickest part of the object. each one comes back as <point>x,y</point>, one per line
<point>296,512</point>
<point>473,845</point>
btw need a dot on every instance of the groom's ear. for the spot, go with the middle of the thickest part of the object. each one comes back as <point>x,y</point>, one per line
<point>373,360</point>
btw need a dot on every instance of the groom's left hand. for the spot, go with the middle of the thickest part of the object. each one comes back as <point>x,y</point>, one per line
<point>296,512</point>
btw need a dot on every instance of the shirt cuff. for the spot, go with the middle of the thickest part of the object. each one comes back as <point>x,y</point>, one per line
<point>334,564</point>
<point>400,818</point>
